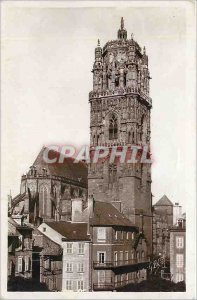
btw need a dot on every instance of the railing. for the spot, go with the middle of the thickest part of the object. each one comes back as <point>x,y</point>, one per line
<point>105,286</point>
<point>120,91</point>
<point>53,177</point>
<point>115,264</point>
<point>52,272</point>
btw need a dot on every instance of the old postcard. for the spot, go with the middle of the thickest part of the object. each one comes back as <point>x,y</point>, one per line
<point>98,150</point>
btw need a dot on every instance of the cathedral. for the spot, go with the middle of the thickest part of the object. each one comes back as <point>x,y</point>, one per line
<point>120,115</point>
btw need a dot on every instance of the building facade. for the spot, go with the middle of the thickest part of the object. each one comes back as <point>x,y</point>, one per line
<point>46,261</point>
<point>162,222</point>
<point>120,115</point>
<point>75,244</point>
<point>119,255</point>
<point>178,251</point>
<point>19,249</point>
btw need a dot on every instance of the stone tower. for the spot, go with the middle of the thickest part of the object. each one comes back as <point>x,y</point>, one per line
<point>120,115</point>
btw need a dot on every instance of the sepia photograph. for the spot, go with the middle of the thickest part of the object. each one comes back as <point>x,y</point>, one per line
<point>98,131</point>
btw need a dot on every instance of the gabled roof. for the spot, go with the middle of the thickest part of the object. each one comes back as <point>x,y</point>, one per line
<point>106,214</point>
<point>164,201</point>
<point>67,169</point>
<point>70,231</point>
<point>40,242</point>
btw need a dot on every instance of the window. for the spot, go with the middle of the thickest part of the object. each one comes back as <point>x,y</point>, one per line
<point>81,248</point>
<point>69,267</point>
<point>101,257</point>
<point>80,285</point>
<point>115,257</point>
<point>179,277</point>
<point>112,173</point>
<point>179,260</point>
<point>21,242</point>
<point>122,277</point>
<point>101,234</point>
<point>101,277</point>
<point>80,268</point>
<point>121,255</point>
<point>69,248</point>
<point>127,276</point>
<point>132,254</point>
<point>20,264</point>
<point>47,264</point>
<point>43,199</point>
<point>44,229</point>
<point>126,255</point>
<point>137,255</point>
<point>127,235</point>
<point>69,285</point>
<point>179,242</point>
<point>133,235</point>
<point>122,235</point>
<point>113,127</point>
<point>26,263</point>
<point>116,235</point>
<point>27,244</point>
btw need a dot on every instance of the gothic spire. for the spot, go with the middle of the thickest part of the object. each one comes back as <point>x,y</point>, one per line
<point>122,23</point>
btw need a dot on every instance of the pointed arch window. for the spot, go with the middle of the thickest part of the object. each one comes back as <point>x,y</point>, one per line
<point>43,199</point>
<point>112,174</point>
<point>113,127</point>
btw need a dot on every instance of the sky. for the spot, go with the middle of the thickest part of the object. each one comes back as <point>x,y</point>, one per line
<point>48,54</point>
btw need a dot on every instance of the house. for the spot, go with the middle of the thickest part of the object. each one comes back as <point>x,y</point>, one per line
<point>19,249</point>
<point>162,221</point>
<point>47,261</point>
<point>119,249</point>
<point>76,252</point>
<point>177,250</point>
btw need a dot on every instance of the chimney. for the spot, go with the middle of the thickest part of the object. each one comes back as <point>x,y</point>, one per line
<point>77,210</point>
<point>177,212</point>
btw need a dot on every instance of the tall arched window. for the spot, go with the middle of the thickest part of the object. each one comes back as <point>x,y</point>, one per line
<point>43,200</point>
<point>143,133</point>
<point>113,127</point>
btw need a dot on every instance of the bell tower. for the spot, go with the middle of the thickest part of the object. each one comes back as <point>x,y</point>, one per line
<point>120,116</point>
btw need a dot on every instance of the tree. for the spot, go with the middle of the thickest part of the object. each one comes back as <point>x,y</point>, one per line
<point>155,284</point>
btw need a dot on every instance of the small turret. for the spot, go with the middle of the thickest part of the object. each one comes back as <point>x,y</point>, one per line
<point>98,52</point>
<point>122,33</point>
<point>144,57</point>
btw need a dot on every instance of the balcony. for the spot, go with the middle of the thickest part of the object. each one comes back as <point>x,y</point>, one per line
<point>117,264</point>
<point>121,91</point>
<point>47,272</point>
<point>105,286</point>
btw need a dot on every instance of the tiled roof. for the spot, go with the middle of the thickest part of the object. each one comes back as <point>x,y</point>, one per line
<point>164,201</point>
<point>68,169</point>
<point>106,214</point>
<point>71,231</point>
